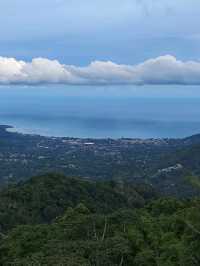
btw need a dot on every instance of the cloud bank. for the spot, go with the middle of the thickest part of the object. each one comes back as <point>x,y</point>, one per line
<point>161,70</point>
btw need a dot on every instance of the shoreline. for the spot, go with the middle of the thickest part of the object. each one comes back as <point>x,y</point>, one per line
<point>13,130</point>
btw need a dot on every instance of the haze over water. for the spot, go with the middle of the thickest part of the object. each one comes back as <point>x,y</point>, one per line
<point>101,112</point>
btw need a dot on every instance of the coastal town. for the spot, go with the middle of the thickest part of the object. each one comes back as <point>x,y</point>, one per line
<point>23,156</point>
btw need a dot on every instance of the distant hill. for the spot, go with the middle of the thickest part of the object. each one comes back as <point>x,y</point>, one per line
<point>195,139</point>
<point>179,181</point>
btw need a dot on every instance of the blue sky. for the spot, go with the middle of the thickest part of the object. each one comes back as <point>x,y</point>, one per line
<point>100,42</point>
<point>78,32</point>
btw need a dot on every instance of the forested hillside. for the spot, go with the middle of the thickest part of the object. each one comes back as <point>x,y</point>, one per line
<point>72,222</point>
<point>112,203</point>
<point>41,199</point>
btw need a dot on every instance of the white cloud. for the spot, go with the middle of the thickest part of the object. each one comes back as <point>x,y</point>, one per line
<point>161,70</point>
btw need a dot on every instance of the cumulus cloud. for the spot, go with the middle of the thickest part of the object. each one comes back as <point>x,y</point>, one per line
<point>161,70</point>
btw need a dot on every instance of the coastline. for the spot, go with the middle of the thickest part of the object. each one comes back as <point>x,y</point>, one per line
<point>23,156</point>
<point>11,130</point>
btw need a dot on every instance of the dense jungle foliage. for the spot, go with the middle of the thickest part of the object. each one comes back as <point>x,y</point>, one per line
<point>54,220</point>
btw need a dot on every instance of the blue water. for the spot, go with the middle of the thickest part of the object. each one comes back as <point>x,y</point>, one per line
<point>99,112</point>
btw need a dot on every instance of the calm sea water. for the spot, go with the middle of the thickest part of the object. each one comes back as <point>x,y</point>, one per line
<point>99,112</point>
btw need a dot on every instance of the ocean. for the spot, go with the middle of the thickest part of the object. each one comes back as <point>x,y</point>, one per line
<point>101,112</point>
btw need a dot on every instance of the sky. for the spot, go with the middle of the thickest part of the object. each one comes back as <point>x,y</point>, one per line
<point>100,41</point>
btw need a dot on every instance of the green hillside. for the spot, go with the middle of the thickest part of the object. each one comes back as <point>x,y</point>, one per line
<point>166,232</point>
<point>53,220</point>
<point>43,198</point>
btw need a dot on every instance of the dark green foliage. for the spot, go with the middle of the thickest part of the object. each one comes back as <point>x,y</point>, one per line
<point>77,238</point>
<point>43,198</point>
<point>96,224</point>
<point>133,238</point>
